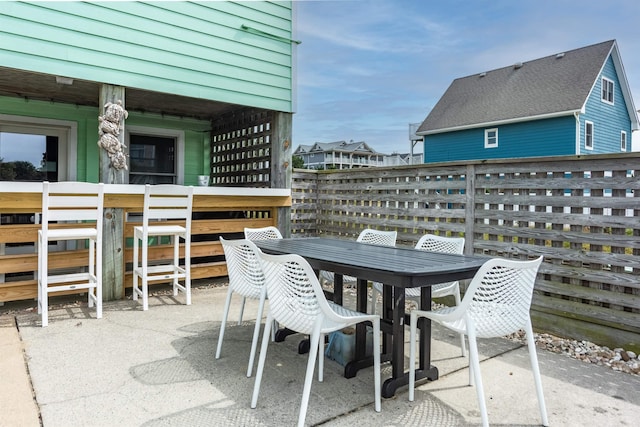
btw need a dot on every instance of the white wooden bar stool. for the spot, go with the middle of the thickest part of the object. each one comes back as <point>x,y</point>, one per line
<point>71,201</point>
<point>173,204</point>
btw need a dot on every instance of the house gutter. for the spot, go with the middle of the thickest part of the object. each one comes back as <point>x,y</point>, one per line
<point>577,116</point>
<point>500,122</point>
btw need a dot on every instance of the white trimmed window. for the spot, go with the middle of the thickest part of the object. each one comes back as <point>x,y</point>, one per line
<point>588,135</point>
<point>607,90</point>
<point>623,141</point>
<point>47,146</point>
<point>491,138</point>
<point>156,156</point>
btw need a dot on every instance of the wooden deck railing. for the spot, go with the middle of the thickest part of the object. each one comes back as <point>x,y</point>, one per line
<point>217,211</point>
<point>581,213</point>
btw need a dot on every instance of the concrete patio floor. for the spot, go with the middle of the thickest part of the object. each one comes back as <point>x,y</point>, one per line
<point>157,368</point>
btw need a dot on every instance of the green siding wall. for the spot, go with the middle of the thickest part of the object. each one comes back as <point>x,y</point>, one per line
<point>196,158</point>
<point>185,48</point>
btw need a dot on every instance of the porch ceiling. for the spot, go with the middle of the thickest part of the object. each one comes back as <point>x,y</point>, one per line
<point>43,87</point>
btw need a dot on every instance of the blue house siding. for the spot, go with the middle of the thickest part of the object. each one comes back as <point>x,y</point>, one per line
<point>550,137</point>
<point>608,120</point>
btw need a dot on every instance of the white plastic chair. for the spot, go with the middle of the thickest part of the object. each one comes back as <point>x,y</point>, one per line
<point>164,203</point>
<point>368,235</point>
<point>433,243</point>
<point>247,279</point>
<point>71,201</point>
<point>263,233</point>
<point>297,301</point>
<point>497,303</point>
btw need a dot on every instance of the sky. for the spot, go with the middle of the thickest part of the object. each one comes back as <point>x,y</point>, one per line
<point>17,146</point>
<point>366,69</point>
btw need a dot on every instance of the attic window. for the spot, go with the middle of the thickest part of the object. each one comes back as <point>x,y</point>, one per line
<point>607,90</point>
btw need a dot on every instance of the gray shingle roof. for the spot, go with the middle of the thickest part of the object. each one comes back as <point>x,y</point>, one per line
<point>546,86</point>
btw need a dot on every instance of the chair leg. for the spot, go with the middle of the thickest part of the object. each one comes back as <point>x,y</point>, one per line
<point>99,300</point>
<point>45,305</point>
<point>92,272</point>
<point>261,360</point>
<point>43,272</point>
<point>474,364</point>
<point>98,279</point>
<point>244,299</point>
<point>308,378</point>
<point>533,357</point>
<point>224,322</point>
<point>376,365</point>
<point>412,354</point>
<point>321,358</point>
<point>176,263</point>
<point>256,334</point>
<point>145,274</point>
<point>39,275</point>
<point>135,267</point>
<point>187,269</point>
<point>374,298</point>
<point>456,295</point>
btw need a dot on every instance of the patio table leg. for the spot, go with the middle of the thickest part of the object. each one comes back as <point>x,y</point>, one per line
<point>399,377</point>
<point>361,360</point>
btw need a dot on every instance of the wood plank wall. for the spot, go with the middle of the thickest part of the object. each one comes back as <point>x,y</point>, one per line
<point>582,213</point>
<point>214,216</point>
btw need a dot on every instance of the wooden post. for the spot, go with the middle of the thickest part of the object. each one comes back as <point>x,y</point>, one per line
<point>281,167</point>
<point>113,226</point>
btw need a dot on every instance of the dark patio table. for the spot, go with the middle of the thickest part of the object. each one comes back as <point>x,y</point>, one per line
<point>398,268</point>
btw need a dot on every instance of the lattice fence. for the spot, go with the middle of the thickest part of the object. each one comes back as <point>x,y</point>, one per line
<point>241,149</point>
<point>581,213</point>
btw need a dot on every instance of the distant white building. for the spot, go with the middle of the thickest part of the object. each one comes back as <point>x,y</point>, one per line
<point>349,155</point>
<point>339,155</point>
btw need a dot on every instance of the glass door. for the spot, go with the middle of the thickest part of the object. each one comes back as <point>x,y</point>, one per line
<point>30,151</point>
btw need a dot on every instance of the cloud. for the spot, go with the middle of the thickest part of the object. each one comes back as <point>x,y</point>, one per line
<point>368,68</point>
